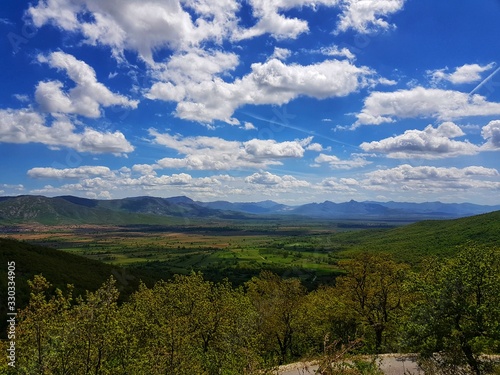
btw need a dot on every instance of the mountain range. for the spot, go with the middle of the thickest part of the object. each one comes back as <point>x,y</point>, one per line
<point>153,210</point>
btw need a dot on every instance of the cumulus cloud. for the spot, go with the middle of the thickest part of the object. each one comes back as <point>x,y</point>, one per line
<point>15,187</point>
<point>275,181</point>
<point>86,98</point>
<point>315,147</point>
<point>26,126</point>
<point>491,133</point>
<point>342,185</point>
<point>269,148</point>
<point>271,21</point>
<point>140,26</point>
<point>429,178</point>
<point>192,74</point>
<point>109,184</point>
<point>196,65</point>
<point>271,82</point>
<point>430,143</point>
<point>249,126</point>
<point>281,53</point>
<point>468,73</point>
<point>80,172</point>
<point>214,153</point>
<point>367,16</point>
<point>336,163</point>
<point>144,27</point>
<point>338,52</point>
<point>382,107</point>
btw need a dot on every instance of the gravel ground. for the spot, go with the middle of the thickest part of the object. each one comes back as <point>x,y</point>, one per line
<point>390,364</point>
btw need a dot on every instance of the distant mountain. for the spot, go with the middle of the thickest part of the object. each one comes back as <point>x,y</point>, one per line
<point>264,207</point>
<point>39,209</point>
<point>439,208</point>
<point>153,210</point>
<point>347,210</point>
<point>176,206</point>
<point>26,209</point>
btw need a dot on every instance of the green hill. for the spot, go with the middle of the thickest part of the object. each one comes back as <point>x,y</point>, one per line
<point>27,209</point>
<point>60,268</point>
<point>425,238</point>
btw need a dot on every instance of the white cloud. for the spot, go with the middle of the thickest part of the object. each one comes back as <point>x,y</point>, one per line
<point>80,172</point>
<point>336,163</point>
<point>360,15</point>
<point>276,182</point>
<point>214,153</point>
<point>271,82</point>
<point>315,147</point>
<point>85,99</point>
<point>380,107</point>
<point>140,26</point>
<point>367,16</point>
<point>178,25</point>
<point>491,133</point>
<point>337,52</point>
<point>26,126</point>
<point>196,65</point>
<point>468,73</point>
<point>249,126</point>
<point>431,179</point>
<point>191,75</point>
<point>279,26</point>
<point>269,148</point>
<point>430,143</point>
<point>342,185</point>
<point>263,178</point>
<point>102,186</point>
<point>22,98</point>
<point>15,187</point>
<point>281,53</point>
<point>144,169</point>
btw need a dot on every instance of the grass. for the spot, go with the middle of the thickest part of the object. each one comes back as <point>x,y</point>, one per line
<point>241,249</point>
<point>238,251</point>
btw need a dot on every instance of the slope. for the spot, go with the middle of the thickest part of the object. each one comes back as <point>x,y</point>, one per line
<point>430,237</point>
<point>56,211</point>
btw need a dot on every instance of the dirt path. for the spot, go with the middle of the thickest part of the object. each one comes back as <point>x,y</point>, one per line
<point>390,364</point>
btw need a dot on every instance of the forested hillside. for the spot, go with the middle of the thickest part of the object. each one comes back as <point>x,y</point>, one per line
<point>430,237</point>
<point>188,325</point>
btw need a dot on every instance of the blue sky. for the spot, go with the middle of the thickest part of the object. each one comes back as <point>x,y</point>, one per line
<point>291,100</point>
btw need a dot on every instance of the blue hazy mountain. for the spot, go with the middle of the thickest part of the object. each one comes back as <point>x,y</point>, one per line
<point>145,209</point>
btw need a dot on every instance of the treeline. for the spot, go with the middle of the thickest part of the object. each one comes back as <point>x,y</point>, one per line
<point>448,311</point>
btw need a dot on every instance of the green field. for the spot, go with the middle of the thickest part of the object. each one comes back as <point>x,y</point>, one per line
<point>239,250</point>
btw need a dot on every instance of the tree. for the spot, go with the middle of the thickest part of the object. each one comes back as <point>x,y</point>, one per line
<point>323,315</point>
<point>95,332</point>
<point>373,290</point>
<point>458,309</point>
<point>56,336</point>
<point>190,326</point>
<point>41,326</point>
<point>277,302</point>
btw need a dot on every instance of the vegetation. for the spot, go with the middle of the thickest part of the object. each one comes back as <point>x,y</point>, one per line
<point>296,292</point>
<point>239,250</point>
<point>189,325</point>
<point>372,290</point>
<point>456,308</point>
